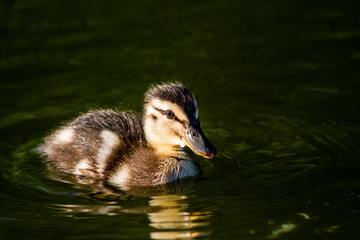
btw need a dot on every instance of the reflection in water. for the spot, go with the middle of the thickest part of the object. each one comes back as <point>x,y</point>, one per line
<point>284,228</point>
<point>172,215</point>
<point>73,209</point>
<point>168,215</point>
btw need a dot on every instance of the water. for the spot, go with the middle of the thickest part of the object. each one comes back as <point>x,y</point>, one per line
<point>278,88</point>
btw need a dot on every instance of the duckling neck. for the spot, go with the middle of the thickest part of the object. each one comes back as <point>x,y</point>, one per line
<point>167,151</point>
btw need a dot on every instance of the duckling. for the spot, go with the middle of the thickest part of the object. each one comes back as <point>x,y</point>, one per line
<point>123,151</point>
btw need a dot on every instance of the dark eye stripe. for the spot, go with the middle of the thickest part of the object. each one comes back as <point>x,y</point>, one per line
<point>160,110</point>
<point>183,122</point>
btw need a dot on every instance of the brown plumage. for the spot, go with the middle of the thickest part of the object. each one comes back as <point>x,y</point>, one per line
<point>121,150</point>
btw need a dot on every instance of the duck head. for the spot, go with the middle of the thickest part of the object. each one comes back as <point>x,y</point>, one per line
<point>171,120</point>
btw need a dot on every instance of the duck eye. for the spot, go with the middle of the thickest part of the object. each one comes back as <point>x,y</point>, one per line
<point>169,114</point>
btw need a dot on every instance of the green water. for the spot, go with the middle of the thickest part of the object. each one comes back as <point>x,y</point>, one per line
<point>278,84</point>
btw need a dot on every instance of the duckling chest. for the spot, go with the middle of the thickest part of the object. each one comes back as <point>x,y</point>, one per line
<point>152,172</point>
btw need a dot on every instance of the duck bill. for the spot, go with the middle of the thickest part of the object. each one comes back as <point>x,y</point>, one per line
<point>198,143</point>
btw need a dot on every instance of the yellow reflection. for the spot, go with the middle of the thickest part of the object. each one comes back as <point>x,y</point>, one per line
<point>177,235</point>
<point>171,214</point>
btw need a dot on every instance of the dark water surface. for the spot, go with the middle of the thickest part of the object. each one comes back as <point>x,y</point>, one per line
<point>278,84</point>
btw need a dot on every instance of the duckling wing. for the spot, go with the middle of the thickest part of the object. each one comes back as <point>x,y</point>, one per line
<point>88,145</point>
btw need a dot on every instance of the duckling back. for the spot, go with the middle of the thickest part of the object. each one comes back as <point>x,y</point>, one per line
<point>87,146</point>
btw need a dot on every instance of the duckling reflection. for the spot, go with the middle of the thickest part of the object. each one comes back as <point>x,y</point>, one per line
<point>168,214</point>
<point>173,219</point>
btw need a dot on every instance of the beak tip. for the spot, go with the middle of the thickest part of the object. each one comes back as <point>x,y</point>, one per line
<point>211,153</point>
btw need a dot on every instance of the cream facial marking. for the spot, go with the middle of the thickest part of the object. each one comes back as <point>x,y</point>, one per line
<point>109,142</point>
<point>65,136</point>
<point>164,131</point>
<point>166,105</point>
